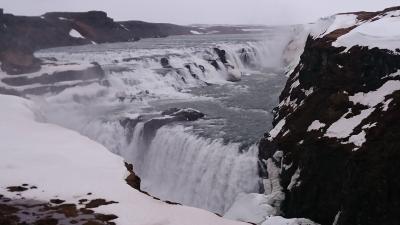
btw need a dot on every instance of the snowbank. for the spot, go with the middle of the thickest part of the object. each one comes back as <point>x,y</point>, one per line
<point>61,163</point>
<point>381,33</point>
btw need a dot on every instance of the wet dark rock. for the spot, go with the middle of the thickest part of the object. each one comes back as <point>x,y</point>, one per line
<point>169,116</point>
<point>165,63</point>
<point>46,221</point>
<point>98,202</point>
<point>81,201</point>
<point>129,124</point>
<point>16,189</point>
<point>247,59</point>
<point>133,180</point>
<point>193,74</point>
<point>155,30</point>
<point>221,55</point>
<point>56,201</point>
<point>202,68</point>
<point>184,114</point>
<point>214,63</point>
<point>105,217</point>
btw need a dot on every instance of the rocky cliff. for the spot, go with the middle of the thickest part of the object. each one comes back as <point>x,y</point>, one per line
<point>336,126</point>
<point>22,35</point>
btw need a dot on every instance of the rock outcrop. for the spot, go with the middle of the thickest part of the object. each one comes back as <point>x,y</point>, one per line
<point>337,124</point>
<point>22,35</point>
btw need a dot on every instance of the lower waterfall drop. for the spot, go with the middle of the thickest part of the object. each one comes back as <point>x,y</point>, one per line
<point>195,171</point>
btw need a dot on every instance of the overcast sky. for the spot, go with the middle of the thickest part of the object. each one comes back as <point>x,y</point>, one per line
<point>270,12</point>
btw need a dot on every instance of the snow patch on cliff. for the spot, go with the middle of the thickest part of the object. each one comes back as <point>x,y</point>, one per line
<point>373,98</point>
<point>74,33</point>
<point>327,25</point>
<point>315,125</point>
<point>343,127</point>
<point>277,129</point>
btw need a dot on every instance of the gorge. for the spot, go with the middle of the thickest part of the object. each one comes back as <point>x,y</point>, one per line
<point>188,113</point>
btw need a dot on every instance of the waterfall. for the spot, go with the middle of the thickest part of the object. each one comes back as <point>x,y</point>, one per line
<point>173,163</point>
<point>182,167</point>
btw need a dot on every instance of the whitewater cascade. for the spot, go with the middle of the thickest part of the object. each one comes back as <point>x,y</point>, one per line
<point>173,163</point>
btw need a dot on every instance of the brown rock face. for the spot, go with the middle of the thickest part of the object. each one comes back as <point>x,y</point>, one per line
<point>19,62</point>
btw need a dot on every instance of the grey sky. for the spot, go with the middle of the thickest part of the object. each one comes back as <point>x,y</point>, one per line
<point>203,11</point>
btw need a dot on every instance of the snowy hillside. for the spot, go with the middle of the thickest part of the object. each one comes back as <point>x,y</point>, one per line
<point>47,169</point>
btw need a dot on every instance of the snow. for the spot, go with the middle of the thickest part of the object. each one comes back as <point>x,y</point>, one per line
<point>277,129</point>
<point>74,33</point>
<point>373,98</point>
<point>195,32</point>
<point>345,126</point>
<point>335,222</point>
<point>393,75</point>
<point>381,33</point>
<point>386,104</point>
<point>370,125</point>
<point>294,180</point>
<point>327,25</point>
<point>342,21</point>
<point>309,91</point>
<point>62,163</point>
<point>315,125</point>
<point>358,139</point>
<point>294,85</point>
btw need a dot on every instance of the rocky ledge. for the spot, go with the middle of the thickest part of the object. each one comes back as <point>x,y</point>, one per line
<point>336,126</point>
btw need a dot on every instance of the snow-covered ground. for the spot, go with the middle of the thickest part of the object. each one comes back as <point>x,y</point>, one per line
<point>66,165</point>
<point>379,31</point>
